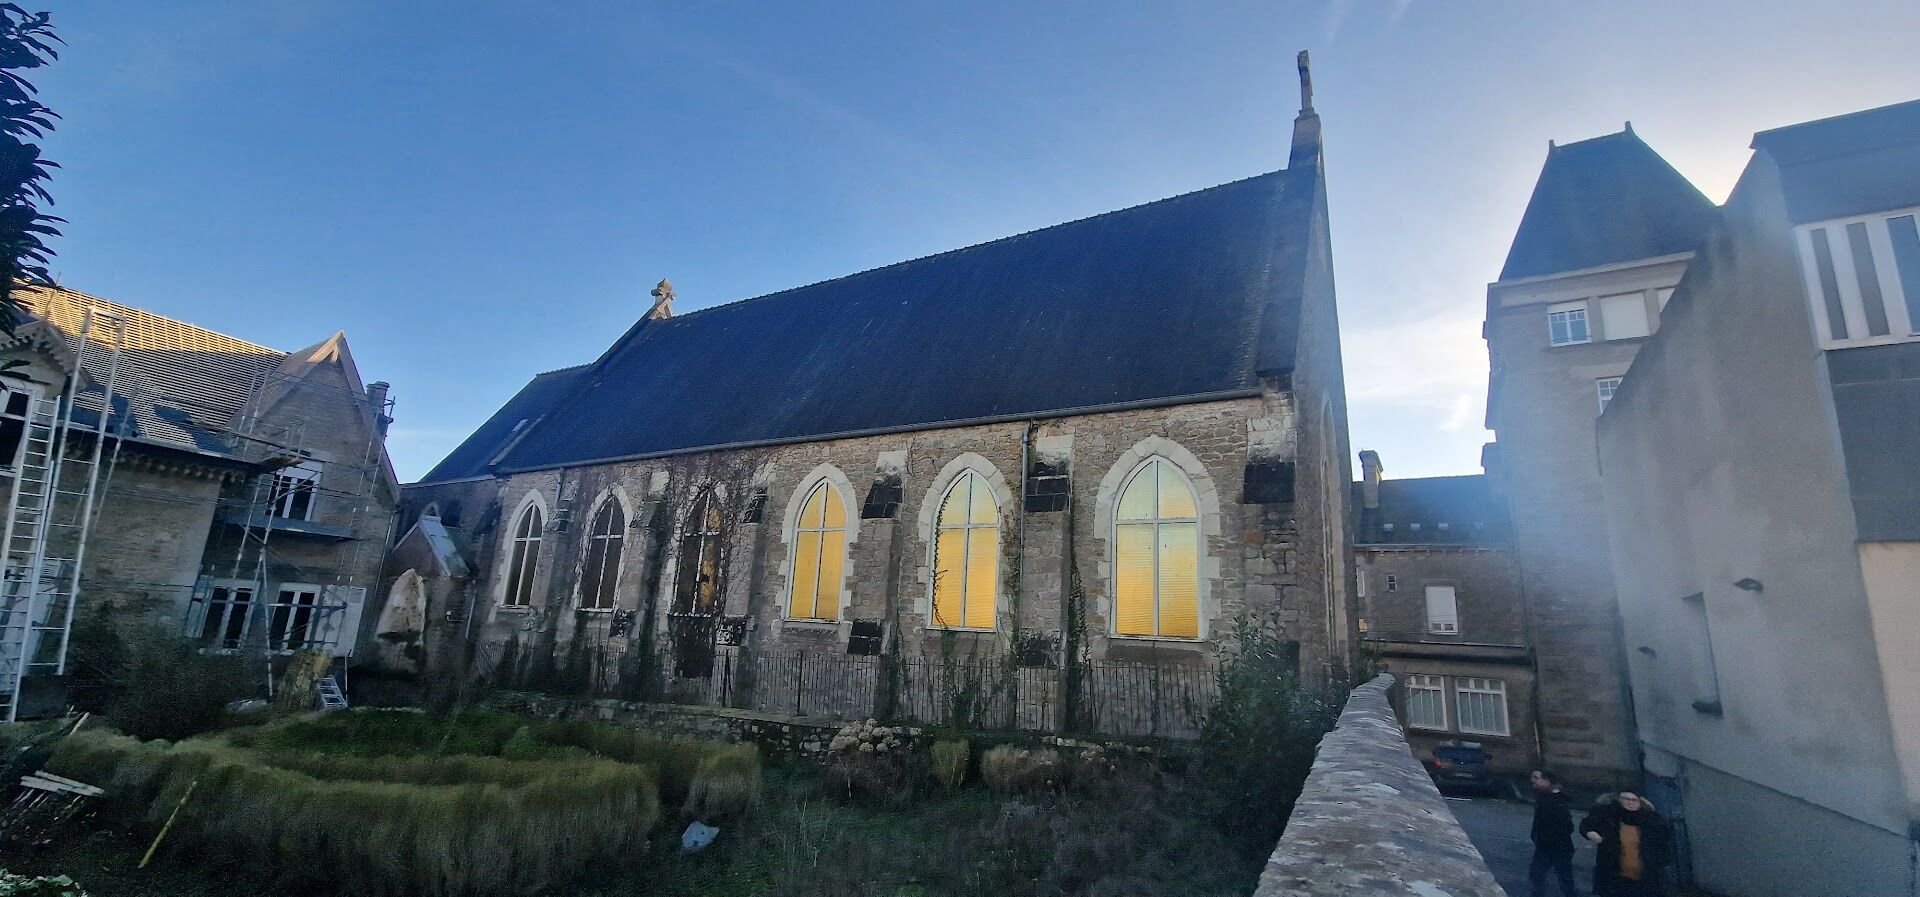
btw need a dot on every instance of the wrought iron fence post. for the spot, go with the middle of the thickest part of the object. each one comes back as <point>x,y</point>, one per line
<point>799,677</point>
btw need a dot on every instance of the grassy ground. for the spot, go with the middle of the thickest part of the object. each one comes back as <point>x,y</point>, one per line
<point>1135,834</point>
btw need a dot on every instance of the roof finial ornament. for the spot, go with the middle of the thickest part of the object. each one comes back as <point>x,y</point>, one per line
<point>662,301</point>
<point>1306,84</point>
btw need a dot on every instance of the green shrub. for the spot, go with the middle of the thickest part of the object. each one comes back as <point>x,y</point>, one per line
<point>1261,734</point>
<point>153,684</point>
<point>727,784</point>
<point>950,762</point>
<point>438,827</point>
<point>38,886</point>
<point>1008,769</point>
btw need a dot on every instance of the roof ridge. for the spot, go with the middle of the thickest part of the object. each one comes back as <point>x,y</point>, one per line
<point>980,245</point>
<point>59,288</point>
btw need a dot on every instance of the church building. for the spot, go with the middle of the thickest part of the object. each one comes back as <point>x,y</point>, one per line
<point>1051,480</point>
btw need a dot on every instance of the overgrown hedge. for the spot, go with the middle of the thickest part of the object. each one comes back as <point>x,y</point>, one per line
<point>429,826</point>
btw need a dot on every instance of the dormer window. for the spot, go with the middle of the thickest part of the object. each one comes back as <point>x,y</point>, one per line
<point>1862,278</point>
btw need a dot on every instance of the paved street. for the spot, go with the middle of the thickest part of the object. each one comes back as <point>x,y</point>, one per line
<point>1499,829</point>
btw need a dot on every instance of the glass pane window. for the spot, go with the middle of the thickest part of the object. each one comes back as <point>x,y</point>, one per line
<point>1443,616</point>
<point>294,489</point>
<point>1427,702</point>
<point>1157,554</point>
<point>291,625</point>
<point>1862,278</point>
<point>819,555</point>
<point>697,585</point>
<point>225,623</point>
<point>966,556</point>
<point>1606,386</point>
<point>1482,705</point>
<point>523,556</point>
<point>606,542</point>
<point>1567,324</point>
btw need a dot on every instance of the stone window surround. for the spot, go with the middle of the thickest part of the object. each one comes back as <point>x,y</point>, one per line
<point>929,516</point>
<point>618,493</point>
<point>1106,505</point>
<point>533,498</point>
<point>670,558</point>
<point>838,481</point>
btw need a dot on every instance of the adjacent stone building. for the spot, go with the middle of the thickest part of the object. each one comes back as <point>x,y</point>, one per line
<point>1070,464</point>
<point>1607,234</point>
<point>1440,606</point>
<point>243,496</point>
<point>1760,476</point>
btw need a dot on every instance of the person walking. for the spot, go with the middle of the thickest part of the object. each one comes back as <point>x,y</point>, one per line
<point>1552,835</point>
<point>1633,846</point>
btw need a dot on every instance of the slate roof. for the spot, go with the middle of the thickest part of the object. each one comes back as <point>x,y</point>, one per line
<point>1602,201</point>
<point>1413,511</point>
<point>181,383</point>
<point>1185,298</point>
<point>1849,164</point>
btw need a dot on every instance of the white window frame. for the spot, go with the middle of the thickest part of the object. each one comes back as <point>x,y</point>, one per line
<point>1155,522</point>
<point>1604,389</point>
<point>224,609</point>
<point>973,480</point>
<point>1447,623</point>
<point>1567,311</point>
<point>290,484</point>
<point>1426,684</point>
<point>843,589</point>
<point>1489,692</point>
<point>10,465</point>
<point>1635,300</point>
<point>509,557</point>
<point>285,609</point>
<point>1901,325</point>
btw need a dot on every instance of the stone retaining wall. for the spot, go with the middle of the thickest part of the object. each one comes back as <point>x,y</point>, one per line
<point>1370,821</point>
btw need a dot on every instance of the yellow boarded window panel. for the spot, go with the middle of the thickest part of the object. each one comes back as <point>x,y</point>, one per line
<point>1157,555</point>
<point>966,556</point>
<point>819,554</point>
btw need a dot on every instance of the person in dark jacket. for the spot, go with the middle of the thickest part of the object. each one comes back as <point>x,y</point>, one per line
<point>1552,835</point>
<point>1633,846</point>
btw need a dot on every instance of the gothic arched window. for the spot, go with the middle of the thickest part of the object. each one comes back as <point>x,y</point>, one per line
<point>523,555</point>
<point>1156,530</point>
<point>819,554</point>
<point>966,556</point>
<point>606,542</point>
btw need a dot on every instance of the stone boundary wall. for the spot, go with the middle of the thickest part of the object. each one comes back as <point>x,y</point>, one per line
<point>1370,821</point>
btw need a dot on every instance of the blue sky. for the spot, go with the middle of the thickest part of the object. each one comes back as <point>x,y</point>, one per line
<point>478,191</point>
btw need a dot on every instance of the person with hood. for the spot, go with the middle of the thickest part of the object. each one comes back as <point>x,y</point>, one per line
<point>1552,835</point>
<point>1632,843</point>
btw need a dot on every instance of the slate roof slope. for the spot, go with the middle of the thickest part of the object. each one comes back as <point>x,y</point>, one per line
<point>1190,297</point>
<point>183,383</point>
<point>1411,512</point>
<point>1849,164</point>
<point>1602,201</point>
<point>473,456</point>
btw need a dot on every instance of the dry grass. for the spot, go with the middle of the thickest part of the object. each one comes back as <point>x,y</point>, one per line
<point>1008,770</point>
<point>727,784</point>
<point>445,827</point>
<point>950,762</point>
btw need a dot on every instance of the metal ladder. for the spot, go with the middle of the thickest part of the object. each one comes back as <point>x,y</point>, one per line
<point>45,541</point>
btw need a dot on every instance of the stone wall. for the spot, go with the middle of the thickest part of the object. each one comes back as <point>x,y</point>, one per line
<point>1369,820</point>
<point>1258,557</point>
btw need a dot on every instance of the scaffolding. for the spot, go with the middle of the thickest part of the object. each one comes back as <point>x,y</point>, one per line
<point>269,605</point>
<point>44,545</point>
<point>275,600</point>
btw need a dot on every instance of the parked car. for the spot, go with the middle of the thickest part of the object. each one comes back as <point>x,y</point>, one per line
<point>1462,769</point>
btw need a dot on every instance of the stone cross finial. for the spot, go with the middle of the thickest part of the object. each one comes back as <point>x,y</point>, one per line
<point>662,300</point>
<point>1306,84</point>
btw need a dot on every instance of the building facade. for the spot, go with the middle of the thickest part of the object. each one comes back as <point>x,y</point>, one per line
<point>1441,608</point>
<point>241,495</point>
<point>1607,234</point>
<point>1765,508</point>
<point>1073,465</point>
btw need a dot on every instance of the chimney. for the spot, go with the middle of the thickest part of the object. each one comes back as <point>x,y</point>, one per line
<point>1370,479</point>
<point>1306,125</point>
<point>662,301</point>
<point>377,397</point>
